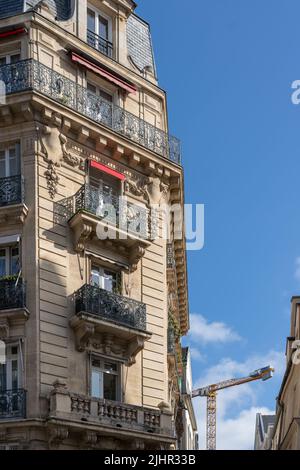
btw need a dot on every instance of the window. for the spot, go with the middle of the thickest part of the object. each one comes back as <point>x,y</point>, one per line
<point>10,161</point>
<point>11,371</point>
<point>99,32</point>
<point>105,379</point>
<point>105,279</point>
<point>9,59</point>
<point>9,261</point>
<point>100,92</point>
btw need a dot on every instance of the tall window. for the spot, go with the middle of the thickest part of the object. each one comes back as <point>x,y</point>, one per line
<point>105,279</point>
<point>9,261</point>
<point>10,161</point>
<point>99,32</point>
<point>11,371</point>
<point>105,380</point>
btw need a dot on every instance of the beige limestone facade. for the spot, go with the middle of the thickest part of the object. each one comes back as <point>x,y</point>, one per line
<point>286,433</point>
<point>93,304</point>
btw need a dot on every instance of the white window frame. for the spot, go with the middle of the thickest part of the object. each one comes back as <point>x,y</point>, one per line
<point>8,365</point>
<point>9,56</point>
<point>6,151</point>
<point>8,257</point>
<point>106,17</point>
<point>101,270</point>
<point>99,89</point>
<point>101,369</point>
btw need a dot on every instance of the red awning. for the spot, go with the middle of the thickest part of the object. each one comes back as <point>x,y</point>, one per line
<point>100,71</point>
<point>13,32</point>
<point>107,170</point>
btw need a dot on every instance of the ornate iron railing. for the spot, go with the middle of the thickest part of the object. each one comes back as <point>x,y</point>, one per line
<point>12,294</point>
<point>114,209</point>
<point>32,75</point>
<point>12,404</point>
<point>171,340</point>
<point>99,43</point>
<point>11,190</point>
<point>111,307</point>
<point>171,264</point>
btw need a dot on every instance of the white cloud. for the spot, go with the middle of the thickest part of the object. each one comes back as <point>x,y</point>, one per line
<point>236,406</point>
<point>215,332</point>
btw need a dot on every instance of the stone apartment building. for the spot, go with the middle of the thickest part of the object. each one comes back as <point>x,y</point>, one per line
<point>93,296</point>
<point>286,434</point>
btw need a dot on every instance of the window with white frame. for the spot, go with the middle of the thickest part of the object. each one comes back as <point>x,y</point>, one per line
<point>105,278</point>
<point>105,379</point>
<point>99,31</point>
<point>12,58</point>
<point>9,260</point>
<point>11,371</point>
<point>107,96</point>
<point>10,161</point>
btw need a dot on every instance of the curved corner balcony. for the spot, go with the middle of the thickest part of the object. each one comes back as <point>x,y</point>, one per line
<point>32,75</point>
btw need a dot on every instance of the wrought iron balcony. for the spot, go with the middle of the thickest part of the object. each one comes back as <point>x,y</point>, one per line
<point>99,43</point>
<point>12,294</point>
<point>11,190</point>
<point>12,404</point>
<point>171,264</point>
<point>114,209</point>
<point>111,307</point>
<point>32,75</point>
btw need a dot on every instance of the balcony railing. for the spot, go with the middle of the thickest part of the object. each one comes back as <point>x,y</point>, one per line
<point>171,264</point>
<point>32,75</point>
<point>11,190</point>
<point>12,404</point>
<point>99,43</point>
<point>114,209</point>
<point>12,294</point>
<point>111,307</point>
<point>171,340</point>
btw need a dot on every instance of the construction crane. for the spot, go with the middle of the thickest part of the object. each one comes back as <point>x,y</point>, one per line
<point>211,393</point>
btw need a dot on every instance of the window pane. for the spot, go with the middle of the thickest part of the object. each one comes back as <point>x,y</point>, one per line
<point>110,367</point>
<point>2,263</point>
<point>2,61</point>
<point>95,277</point>
<point>91,88</point>
<point>14,162</point>
<point>106,96</point>
<point>110,281</point>
<point>15,58</point>
<point>2,377</point>
<point>14,375</point>
<point>15,261</point>
<point>2,164</point>
<point>110,387</point>
<point>103,28</point>
<point>97,384</point>
<point>91,21</point>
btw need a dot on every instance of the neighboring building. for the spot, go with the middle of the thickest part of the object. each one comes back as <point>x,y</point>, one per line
<point>189,439</point>
<point>286,434</point>
<point>264,429</point>
<point>89,295</point>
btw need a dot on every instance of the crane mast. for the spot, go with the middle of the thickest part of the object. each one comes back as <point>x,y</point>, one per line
<point>210,392</point>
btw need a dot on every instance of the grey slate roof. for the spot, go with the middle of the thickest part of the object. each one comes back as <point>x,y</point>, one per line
<point>139,43</point>
<point>60,8</point>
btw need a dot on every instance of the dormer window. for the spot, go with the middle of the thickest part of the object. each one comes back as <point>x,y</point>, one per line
<point>99,31</point>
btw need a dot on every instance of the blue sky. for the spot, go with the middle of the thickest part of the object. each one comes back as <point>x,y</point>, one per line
<point>228,66</point>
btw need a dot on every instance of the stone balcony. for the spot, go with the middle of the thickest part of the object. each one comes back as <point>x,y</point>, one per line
<point>116,223</point>
<point>12,207</point>
<point>31,75</point>
<point>150,427</point>
<point>13,311</point>
<point>114,324</point>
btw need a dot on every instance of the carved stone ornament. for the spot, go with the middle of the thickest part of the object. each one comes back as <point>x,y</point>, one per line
<point>54,150</point>
<point>138,188</point>
<point>57,434</point>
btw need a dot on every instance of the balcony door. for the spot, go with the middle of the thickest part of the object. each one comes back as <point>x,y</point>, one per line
<point>10,59</point>
<point>105,195</point>
<point>105,379</point>
<point>104,278</point>
<point>99,31</point>
<point>9,261</point>
<point>11,371</point>
<point>10,161</point>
